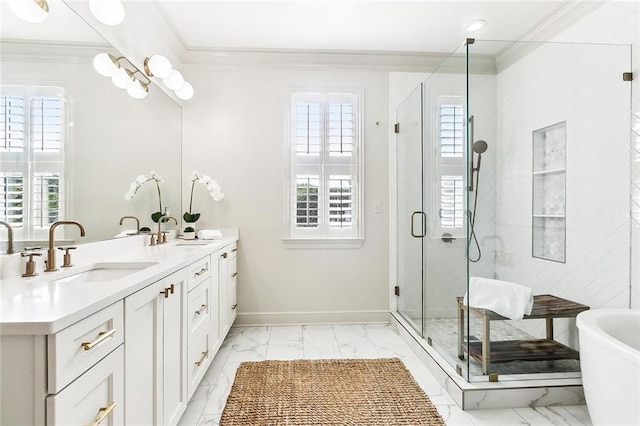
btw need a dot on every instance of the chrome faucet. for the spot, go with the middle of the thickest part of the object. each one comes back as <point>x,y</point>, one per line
<point>9,237</point>
<point>134,218</point>
<point>51,253</point>
<point>159,237</point>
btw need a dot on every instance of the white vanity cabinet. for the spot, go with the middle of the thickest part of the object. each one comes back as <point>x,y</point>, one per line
<point>156,352</point>
<point>74,376</point>
<point>136,359</point>
<point>228,274</point>
<point>202,312</point>
<point>95,397</point>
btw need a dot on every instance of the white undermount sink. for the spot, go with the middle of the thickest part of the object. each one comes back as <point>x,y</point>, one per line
<point>105,271</point>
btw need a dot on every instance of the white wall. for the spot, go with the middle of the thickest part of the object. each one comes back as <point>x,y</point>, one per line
<point>583,85</point>
<point>619,22</point>
<point>234,130</point>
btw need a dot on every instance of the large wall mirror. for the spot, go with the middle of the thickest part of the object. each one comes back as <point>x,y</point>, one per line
<point>83,164</point>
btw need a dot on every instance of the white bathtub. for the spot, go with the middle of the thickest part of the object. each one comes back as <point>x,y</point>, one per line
<point>610,364</point>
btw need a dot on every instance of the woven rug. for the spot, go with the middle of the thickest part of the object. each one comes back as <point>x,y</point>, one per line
<point>327,392</point>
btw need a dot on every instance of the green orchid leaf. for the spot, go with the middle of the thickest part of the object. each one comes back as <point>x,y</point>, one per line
<point>156,216</point>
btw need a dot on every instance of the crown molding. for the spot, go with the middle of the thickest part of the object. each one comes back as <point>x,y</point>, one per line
<point>567,14</point>
<point>50,52</point>
<point>332,59</point>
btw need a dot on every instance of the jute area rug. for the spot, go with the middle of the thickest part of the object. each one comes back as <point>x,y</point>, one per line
<point>327,392</point>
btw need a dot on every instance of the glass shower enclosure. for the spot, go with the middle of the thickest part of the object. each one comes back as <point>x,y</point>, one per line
<point>512,164</point>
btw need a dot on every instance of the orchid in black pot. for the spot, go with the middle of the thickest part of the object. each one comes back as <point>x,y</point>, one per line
<point>215,191</point>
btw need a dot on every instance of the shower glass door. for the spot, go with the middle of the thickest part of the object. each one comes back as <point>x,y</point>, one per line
<point>410,223</point>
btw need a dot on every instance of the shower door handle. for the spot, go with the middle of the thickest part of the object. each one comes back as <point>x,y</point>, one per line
<point>423,224</point>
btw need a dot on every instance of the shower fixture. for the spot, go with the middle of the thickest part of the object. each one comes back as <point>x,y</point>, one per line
<point>478,147</point>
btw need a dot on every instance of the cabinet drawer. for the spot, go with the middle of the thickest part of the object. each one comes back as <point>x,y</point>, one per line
<point>199,358</point>
<point>199,271</point>
<point>75,349</point>
<point>199,308</point>
<point>97,394</point>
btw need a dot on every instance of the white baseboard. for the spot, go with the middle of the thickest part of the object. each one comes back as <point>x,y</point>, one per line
<point>303,318</point>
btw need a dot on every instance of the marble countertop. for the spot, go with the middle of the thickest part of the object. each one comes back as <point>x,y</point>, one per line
<point>45,304</point>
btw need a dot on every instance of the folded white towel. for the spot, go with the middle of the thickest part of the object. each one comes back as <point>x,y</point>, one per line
<point>508,299</point>
<point>209,234</point>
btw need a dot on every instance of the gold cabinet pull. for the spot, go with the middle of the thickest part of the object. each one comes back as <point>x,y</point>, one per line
<point>201,271</point>
<point>234,250</point>
<point>234,275</point>
<point>168,290</point>
<point>202,309</point>
<point>204,356</point>
<point>234,306</point>
<point>224,255</point>
<point>104,413</point>
<point>101,336</point>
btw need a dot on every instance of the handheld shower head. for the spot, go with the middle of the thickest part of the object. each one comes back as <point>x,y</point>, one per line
<point>480,146</point>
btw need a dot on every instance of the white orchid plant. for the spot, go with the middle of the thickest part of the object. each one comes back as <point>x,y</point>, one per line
<point>137,184</point>
<point>215,191</point>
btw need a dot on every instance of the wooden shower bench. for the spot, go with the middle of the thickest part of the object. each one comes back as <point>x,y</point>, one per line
<point>545,306</point>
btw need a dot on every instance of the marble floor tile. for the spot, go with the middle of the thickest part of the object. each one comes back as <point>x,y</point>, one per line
<point>340,342</point>
<point>286,334</point>
<point>359,350</point>
<point>285,351</point>
<point>349,333</point>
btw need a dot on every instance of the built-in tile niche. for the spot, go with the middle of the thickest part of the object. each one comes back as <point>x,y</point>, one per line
<point>549,192</point>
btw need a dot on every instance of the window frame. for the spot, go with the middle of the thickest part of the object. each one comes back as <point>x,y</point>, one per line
<point>31,164</point>
<point>448,166</point>
<point>324,236</point>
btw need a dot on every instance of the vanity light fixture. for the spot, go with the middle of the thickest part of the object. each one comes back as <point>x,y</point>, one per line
<point>174,81</point>
<point>159,66</point>
<point>185,92</point>
<point>476,25</point>
<point>140,89</point>
<point>122,77</point>
<point>106,64</point>
<point>34,11</point>
<point>109,12</point>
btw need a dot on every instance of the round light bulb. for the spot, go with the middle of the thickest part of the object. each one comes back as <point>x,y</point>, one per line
<point>109,12</point>
<point>158,66</point>
<point>185,92</point>
<point>34,11</point>
<point>105,64</point>
<point>174,81</point>
<point>138,90</point>
<point>122,79</point>
<point>476,25</point>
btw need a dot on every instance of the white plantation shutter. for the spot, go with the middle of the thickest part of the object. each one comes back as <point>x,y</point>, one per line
<point>450,141</point>
<point>12,199</point>
<point>32,155</point>
<point>324,166</point>
<point>13,118</point>
<point>46,123</point>
<point>451,130</point>
<point>451,201</point>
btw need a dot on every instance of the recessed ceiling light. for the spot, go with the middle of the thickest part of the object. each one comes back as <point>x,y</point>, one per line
<point>476,25</point>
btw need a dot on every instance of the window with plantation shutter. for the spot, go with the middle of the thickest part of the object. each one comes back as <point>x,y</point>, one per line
<point>450,139</point>
<point>324,184</point>
<point>32,140</point>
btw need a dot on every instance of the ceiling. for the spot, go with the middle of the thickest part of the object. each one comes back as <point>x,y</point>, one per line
<point>358,25</point>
